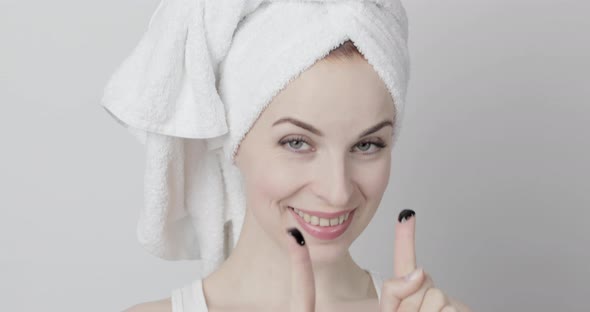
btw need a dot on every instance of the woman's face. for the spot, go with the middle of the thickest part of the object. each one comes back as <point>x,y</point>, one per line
<point>334,170</point>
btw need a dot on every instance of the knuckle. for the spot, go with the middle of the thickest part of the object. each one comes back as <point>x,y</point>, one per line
<point>408,306</point>
<point>436,295</point>
<point>389,287</point>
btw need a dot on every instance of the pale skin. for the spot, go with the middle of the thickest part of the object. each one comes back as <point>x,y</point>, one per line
<point>331,172</point>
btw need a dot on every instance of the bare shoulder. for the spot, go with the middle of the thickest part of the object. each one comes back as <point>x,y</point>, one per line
<point>462,307</point>
<point>163,305</point>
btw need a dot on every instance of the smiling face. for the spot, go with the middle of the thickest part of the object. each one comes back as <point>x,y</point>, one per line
<point>307,150</point>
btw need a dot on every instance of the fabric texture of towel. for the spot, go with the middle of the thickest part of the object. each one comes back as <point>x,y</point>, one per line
<point>197,81</point>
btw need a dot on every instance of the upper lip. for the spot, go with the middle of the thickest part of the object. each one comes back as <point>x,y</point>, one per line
<point>325,215</point>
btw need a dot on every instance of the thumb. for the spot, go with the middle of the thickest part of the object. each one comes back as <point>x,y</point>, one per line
<point>302,280</point>
<point>395,290</point>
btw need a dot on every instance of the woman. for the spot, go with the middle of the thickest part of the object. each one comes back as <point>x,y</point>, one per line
<point>299,155</point>
<point>314,161</point>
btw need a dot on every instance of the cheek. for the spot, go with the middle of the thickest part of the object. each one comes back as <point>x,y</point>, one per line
<point>374,179</point>
<point>272,180</point>
<point>269,185</point>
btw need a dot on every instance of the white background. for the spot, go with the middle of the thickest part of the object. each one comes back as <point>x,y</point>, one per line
<point>493,156</point>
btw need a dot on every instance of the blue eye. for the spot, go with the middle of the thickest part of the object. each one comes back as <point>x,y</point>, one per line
<point>368,145</point>
<point>299,140</point>
<point>295,144</point>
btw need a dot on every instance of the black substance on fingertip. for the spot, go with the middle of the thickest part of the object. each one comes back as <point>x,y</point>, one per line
<point>297,236</point>
<point>405,215</point>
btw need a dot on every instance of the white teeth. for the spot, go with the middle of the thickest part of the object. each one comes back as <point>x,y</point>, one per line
<point>314,220</point>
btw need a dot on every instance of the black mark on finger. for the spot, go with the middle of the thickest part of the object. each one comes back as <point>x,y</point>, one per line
<point>297,235</point>
<point>405,215</point>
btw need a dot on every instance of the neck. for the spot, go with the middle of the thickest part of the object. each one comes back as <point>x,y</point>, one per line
<point>259,260</point>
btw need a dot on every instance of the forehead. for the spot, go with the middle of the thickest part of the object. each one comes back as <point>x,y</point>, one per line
<point>348,90</point>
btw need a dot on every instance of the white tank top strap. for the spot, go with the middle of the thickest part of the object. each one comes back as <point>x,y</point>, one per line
<point>377,281</point>
<point>189,298</point>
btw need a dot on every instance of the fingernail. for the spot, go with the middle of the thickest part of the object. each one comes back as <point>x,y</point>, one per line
<point>297,236</point>
<point>405,215</point>
<point>412,276</point>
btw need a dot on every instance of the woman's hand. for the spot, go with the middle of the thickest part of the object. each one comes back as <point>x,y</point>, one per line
<point>397,295</point>
<point>412,289</point>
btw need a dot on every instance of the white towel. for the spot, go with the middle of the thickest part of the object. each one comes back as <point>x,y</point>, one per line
<point>198,79</point>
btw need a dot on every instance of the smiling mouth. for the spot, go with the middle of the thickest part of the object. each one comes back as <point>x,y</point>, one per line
<point>322,228</point>
<point>321,221</point>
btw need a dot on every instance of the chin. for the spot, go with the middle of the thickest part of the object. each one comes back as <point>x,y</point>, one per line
<point>328,253</point>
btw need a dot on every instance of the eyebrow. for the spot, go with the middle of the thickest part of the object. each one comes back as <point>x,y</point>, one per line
<point>313,130</point>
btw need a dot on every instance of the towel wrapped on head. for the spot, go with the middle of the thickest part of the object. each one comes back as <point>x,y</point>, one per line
<point>197,81</point>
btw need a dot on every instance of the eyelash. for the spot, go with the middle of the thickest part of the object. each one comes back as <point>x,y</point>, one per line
<point>302,139</point>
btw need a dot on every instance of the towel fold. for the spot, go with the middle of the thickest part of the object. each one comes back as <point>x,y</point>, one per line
<point>198,79</point>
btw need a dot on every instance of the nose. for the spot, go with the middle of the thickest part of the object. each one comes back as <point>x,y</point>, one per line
<point>333,182</point>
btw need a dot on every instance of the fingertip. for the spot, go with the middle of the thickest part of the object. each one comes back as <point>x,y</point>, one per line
<point>297,236</point>
<point>405,215</point>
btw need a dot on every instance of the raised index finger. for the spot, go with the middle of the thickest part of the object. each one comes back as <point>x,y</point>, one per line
<point>404,251</point>
<point>302,278</point>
